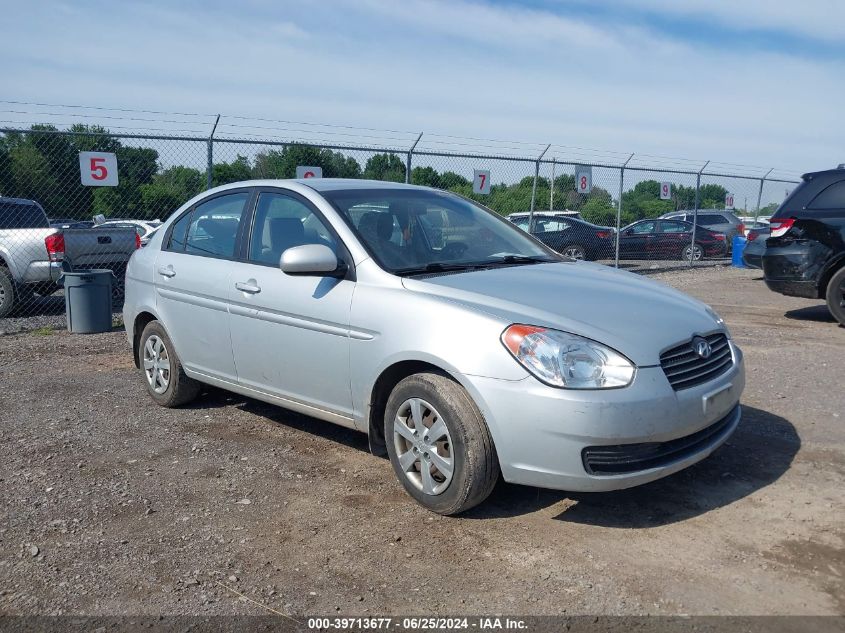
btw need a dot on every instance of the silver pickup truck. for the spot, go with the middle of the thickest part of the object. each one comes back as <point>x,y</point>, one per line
<point>33,255</point>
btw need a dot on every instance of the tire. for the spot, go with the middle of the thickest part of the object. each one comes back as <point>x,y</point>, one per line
<point>836,296</point>
<point>7,292</point>
<point>697,253</point>
<point>465,444</point>
<point>574,251</point>
<point>169,388</point>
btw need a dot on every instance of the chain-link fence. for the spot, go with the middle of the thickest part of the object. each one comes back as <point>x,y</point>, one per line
<point>86,198</point>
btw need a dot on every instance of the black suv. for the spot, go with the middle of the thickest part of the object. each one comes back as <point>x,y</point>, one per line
<point>805,256</point>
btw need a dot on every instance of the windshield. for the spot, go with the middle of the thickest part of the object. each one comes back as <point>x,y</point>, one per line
<point>409,231</point>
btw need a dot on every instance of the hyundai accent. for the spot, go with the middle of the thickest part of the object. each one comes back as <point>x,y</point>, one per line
<point>462,346</point>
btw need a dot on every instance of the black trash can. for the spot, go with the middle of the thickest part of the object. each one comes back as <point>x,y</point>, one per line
<point>88,301</point>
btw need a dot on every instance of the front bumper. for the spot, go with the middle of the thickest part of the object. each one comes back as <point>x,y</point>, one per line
<point>541,433</point>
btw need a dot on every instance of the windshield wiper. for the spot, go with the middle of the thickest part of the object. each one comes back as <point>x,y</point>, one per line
<point>438,267</point>
<point>520,259</point>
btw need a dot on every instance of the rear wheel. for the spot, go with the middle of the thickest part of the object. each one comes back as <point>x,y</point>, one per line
<point>439,444</point>
<point>7,292</point>
<point>836,296</point>
<point>166,381</point>
<point>695,253</point>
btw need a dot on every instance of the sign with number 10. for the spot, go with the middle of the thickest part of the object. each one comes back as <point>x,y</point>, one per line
<point>98,169</point>
<point>665,190</point>
<point>729,201</point>
<point>481,181</point>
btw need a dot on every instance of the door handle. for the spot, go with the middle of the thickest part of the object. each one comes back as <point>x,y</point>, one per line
<point>248,287</point>
<point>167,271</point>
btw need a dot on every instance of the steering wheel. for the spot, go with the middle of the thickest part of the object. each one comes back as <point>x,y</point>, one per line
<point>453,250</point>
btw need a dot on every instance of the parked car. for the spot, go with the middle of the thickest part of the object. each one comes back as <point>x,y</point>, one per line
<point>752,254</point>
<point>142,227</point>
<point>33,254</point>
<point>459,344</point>
<point>716,220</point>
<point>566,213</point>
<point>571,237</point>
<point>805,255</point>
<point>669,239</point>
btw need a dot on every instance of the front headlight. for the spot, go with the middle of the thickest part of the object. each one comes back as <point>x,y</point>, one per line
<point>566,360</point>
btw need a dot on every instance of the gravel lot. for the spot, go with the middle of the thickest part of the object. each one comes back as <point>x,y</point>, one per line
<point>111,505</point>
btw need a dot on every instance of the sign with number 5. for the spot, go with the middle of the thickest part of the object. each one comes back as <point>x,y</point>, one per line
<point>665,190</point>
<point>583,180</point>
<point>98,169</point>
<point>481,181</point>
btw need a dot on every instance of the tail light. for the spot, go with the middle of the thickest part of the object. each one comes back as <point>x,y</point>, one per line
<point>779,227</point>
<point>137,241</point>
<point>603,234</point>
<point>741,228</point>
<point>55,244</point>
<point>719,236</point>
<point>752,235</point>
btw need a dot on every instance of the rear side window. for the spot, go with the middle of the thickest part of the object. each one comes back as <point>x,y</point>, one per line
<point>833,197</point>
<point>711,219</point>
<point>672,227</point>
<point>213,229</point>
<point>22,216</point>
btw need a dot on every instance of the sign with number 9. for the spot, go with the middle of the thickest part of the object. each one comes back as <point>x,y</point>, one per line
<point>665,190</point>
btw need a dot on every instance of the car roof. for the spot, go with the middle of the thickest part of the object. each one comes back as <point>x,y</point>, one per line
<point>338,184</point>
<point>18,201</point>
<point>838,171</point>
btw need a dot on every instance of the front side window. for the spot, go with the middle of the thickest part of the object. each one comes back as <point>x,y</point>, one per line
<point>409,231</point>
<point>282,222</point>
<point>213,228</point>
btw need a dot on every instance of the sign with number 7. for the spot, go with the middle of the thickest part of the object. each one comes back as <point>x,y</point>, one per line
<point>98,169</point>
<point>481,181</point>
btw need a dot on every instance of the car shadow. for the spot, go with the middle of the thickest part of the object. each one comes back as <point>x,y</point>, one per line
<point>819,313</point>
<point>758,454</point>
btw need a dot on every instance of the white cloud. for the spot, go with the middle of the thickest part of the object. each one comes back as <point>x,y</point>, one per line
<point>462,68</point>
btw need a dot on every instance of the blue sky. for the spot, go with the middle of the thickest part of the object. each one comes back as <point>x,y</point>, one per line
<point>757,82</point>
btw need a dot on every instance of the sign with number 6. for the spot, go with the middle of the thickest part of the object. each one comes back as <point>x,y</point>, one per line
<point>583,180</point>
<point>98,169</point>
<point>729,201</point>
<point>481,181</point>
<point>665,190</point>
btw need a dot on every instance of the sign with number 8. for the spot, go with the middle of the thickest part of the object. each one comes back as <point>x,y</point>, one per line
<point>584,180</point>
<point>98,169</point>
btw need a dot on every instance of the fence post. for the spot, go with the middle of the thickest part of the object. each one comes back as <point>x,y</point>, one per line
<point>760,194</point>
<point>210,167</point>
<point>619,208</point>
<point>408,162</point>
<point>534,188</point>
<point>552,185</point>
<point>695,212</point>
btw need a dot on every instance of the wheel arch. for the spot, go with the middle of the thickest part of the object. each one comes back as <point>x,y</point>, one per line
<point>832,267</point>
<point>142,319</point>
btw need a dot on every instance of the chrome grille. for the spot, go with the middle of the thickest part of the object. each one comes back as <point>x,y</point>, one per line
<point>685,368</point>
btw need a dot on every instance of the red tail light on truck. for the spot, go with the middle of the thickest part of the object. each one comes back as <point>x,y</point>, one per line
<point>55,244</point>
<point>780,226</point>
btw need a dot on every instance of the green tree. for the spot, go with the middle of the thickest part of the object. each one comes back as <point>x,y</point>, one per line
<point>426,176</point>
<point>169,190</point>
<point>282,163</point>
<point>385,167</point>
<point>236,171</point>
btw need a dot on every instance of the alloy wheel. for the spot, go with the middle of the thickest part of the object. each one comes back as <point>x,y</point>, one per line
<point>696,253</point>
<point>157,364</point>
<point>574,252</point>
<point>423,446</point>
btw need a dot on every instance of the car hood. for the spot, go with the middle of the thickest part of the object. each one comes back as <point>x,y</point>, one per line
<point>636,316</point>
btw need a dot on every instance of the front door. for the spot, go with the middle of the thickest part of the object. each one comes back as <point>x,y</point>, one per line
<point>290,334</point>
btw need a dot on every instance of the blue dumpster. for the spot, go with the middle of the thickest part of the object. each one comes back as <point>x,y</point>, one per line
<point>738,246</point>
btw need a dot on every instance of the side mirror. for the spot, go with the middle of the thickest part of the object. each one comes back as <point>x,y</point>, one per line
<point>628,232</point>
<point>312,259</point>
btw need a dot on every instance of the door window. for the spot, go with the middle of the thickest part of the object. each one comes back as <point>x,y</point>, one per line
<point>213,229</point>
<point>672,227</point>
<point>282,222</point>
<point>710,220</point>
<point>642,228</point>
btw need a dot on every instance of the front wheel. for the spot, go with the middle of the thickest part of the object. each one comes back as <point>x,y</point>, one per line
<point>7,292</point>
<point>836,296</point>
<point>439,444</point>
<point>575,251</point>
<point>695,253</point>
<point>166,381</point>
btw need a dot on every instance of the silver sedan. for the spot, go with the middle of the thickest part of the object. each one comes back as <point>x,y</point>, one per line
<point>463,347</point>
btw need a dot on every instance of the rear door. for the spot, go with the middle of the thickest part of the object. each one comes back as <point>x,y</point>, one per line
<point>671,238</point>
<point>192,279</point>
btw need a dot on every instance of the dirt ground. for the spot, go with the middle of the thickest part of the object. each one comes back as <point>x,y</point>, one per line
<point>111,505</point>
